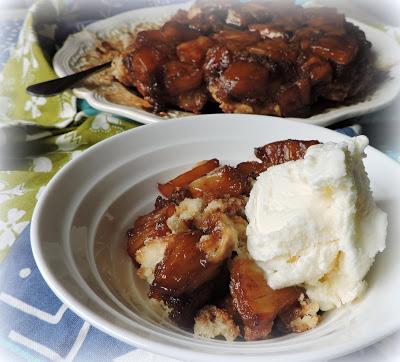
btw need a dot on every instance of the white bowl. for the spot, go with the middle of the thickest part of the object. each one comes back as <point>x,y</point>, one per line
<point>79,225</point>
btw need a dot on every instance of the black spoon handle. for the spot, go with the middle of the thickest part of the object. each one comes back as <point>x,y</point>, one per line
<point>55,86</point>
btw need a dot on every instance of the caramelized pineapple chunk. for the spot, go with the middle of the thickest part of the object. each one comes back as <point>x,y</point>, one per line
<point>243,80</point>
<point>252,168</point>
<point>176,32</point>
<point>145,63</point>
<point>223,182</point>
<point>183,308</point>
<point>180,78</point>
<point>257,304</point>
<point>339,49</point>
<point>151,225</point>
<point>184,267</point>
<point>186,178</point>
<point>283,151</point>
<point>276,49</point>
<point>194,51</point>
<point>237,39</point>
<point>318,70</point>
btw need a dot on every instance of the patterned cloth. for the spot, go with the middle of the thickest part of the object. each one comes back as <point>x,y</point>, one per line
<point>39,136</point>
<point>8,34</point>
<point>37,325</point>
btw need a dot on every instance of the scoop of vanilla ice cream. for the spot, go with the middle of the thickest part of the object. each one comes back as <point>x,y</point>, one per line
<point>314,222</point>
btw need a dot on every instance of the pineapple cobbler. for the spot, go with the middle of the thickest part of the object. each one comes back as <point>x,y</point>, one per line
<point>263,248</point>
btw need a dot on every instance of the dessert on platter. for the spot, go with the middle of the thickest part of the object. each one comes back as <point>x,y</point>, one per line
<point>272,58</point>
<point>263,248</point>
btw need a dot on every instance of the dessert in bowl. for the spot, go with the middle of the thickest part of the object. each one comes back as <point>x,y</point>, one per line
<point>233,252</point>
<point>79,239</point>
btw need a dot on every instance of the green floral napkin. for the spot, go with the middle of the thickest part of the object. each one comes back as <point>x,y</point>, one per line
<point>38,135</point>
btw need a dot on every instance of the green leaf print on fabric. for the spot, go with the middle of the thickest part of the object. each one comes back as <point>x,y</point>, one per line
<point>26,66</point>
<point>41,134</point>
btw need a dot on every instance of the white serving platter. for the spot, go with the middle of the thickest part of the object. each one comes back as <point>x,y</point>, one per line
<point>66,60</point>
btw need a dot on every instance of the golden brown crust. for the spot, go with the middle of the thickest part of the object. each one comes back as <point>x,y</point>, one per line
<point>299,317</point>
<point>148,256</point>
<point>212,322</point>
<point>220,239</point>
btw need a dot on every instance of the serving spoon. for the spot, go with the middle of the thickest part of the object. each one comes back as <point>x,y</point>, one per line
<point>55,86</point>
